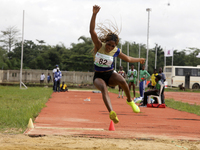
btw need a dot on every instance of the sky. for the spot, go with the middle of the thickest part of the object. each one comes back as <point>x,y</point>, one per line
<point>173,24</point>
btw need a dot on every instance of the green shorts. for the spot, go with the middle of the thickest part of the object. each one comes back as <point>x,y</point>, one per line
<point>132,81</point>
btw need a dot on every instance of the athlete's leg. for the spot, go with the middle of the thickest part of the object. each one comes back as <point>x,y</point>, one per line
<point>117,79</point>
<point>119,91</point>
<point>134,90</point>
<point>101,85</point>
<point>122,93</point>
<point>141,88</point>
<point>129,85</point>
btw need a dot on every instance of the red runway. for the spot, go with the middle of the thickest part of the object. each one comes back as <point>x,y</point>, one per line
<point>68,114</point>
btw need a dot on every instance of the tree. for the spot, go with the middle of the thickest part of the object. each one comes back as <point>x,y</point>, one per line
<point>9,37</point>
<point>2,58</point>
<point>41,41</point>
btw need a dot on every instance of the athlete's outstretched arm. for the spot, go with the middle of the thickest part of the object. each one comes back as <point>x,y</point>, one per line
<point>93,34</point>
<point>131,59</point>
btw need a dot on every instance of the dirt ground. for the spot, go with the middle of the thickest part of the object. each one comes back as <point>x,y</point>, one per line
<point>23,142</point>
<point>87,127</point>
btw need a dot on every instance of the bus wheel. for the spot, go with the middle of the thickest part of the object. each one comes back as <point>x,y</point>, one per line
<point>195,86</point>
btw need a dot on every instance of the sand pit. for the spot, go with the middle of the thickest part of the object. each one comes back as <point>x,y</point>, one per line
<point>22,142</point>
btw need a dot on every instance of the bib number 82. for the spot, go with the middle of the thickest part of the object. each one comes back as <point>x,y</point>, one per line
<point>103,61</point>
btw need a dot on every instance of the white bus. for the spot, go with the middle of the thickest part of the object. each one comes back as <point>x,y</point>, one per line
<point>175,75</point>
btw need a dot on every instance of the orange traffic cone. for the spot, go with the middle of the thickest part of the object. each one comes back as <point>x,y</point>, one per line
<point>111,128</point>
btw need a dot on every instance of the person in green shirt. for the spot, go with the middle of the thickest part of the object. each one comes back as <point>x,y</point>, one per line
<point>142,77</point>
<point>155,91</point>
<point>132,74</point>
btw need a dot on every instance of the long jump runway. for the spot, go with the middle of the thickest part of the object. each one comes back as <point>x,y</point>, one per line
<point>67,113</point>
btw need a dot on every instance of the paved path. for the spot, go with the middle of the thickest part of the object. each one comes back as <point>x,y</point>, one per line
<point>186,97</point>
<point>68,114</point>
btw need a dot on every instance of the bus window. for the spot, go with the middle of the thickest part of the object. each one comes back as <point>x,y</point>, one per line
<point>198,72</point>
<point>168,69</point>
<point>194,72</point>
<point>187,71</point>
<point>179,72</point>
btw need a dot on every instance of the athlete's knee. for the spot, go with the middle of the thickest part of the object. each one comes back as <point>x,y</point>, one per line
<point>122,82</point>
<point>102,88</point>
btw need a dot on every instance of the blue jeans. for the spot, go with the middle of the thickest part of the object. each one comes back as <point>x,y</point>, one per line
<point>57,86</point>
<point>142,87</point>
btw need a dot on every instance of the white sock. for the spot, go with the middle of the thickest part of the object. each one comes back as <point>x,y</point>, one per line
<point>122,93</point>
<point>119,93</point>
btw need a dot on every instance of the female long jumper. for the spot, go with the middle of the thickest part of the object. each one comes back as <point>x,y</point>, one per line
<point>104,52</point>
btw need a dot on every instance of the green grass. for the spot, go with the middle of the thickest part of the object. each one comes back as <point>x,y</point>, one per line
<point>18,105</point>
<point>117,92</point>
<point>195,109</point>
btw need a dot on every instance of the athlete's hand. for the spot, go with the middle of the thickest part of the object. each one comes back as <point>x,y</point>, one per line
<point>142,60</point>
<point>96,9</point>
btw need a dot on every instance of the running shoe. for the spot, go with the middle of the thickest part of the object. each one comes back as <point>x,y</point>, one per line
<point>118,97</point>
<point>113,117</point>
<point>135,108</point>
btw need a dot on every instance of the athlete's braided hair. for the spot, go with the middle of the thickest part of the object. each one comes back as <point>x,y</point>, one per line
<point>106,33</point>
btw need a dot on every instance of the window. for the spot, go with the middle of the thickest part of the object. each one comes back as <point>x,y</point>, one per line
<point>168,69</point>
<point>179,71</point>
<point>194,72</point>
<point>187,71</point>
<point>198,72</point>
<point>14,74</point>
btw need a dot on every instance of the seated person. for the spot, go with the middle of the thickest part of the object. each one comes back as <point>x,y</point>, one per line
<point>149,85</point>
<point>63,87</point>
<point>155,91</point>
<point>181,87</point>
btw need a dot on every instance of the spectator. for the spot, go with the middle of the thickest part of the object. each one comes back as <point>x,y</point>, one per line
<point>63,87</point>
<point>57,77</point>
<point>48,78</point>
<point>181,87</point>
<point>163,79</point>
<point>123,74</point>
<point>54,70</point>
<point>42,77</point>
<point>132,74</point>
<point>155,91</point>
<point>153,76</point>
<point>142,77</point>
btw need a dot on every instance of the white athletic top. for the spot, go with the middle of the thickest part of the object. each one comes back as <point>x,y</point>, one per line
<point>55,70</point>
<point>42,77</point>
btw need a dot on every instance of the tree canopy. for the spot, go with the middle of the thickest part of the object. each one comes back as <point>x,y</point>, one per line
<point>9,37</point>
<point>79,56</point>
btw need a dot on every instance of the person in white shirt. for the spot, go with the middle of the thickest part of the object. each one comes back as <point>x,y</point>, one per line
<point>42,77</point>
<point>54,70</point>
<point>57,78</point>
<point>132,74</point>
